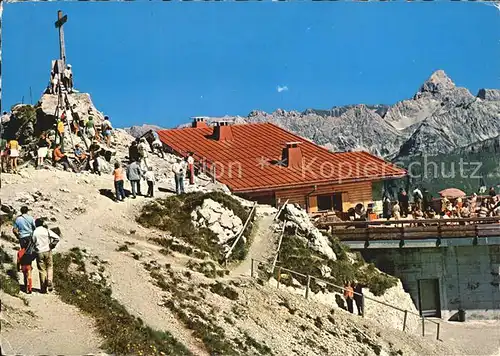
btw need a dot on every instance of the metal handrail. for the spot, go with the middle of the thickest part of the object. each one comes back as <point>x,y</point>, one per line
<point>309,278</point>
<point>280,210</point>
<point>240,234</point>
<point>282,233</point>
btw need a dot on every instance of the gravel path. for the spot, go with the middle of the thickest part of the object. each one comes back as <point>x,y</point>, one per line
<point>262,248</point>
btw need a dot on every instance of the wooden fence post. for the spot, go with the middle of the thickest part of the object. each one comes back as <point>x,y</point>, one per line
<point>279,277</point>
<point>214,173</point>
<point>308,285</point>
<point>438,326</point>
<point>363,305</point>
<point>423,326</point>
<point>251,269</point>
<point>404,320</point>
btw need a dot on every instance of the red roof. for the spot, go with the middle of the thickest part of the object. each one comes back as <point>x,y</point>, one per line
<point>248,162</point>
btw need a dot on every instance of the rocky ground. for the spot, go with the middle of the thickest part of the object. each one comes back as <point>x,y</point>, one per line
<point>206,311</point>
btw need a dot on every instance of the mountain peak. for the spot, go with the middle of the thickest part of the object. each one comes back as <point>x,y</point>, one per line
<point>437,83</point>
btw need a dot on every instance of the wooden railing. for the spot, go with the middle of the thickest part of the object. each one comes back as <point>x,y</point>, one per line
<point>257,264</point>
<point>240,234</point>
<point>415,229</point>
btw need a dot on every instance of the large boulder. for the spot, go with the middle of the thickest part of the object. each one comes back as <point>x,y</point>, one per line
<point>221,221</point>
<point>298,218</point>
<point>46,109</point>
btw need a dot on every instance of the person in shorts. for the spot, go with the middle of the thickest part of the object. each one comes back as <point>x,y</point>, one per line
<point>43,149</point>
<point>13,154</point>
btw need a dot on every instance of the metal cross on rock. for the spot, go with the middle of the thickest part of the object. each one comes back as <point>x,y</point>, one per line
<point>61,20</point>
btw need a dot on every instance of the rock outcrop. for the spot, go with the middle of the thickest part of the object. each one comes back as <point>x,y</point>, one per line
<point>297,219</point>
<point>214,216</point>
<point>489,94</point>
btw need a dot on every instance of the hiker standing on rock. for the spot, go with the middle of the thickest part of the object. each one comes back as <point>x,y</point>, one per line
<point>134,175</point>
<point>150,179</point>
<point>45,241</point>
<point>4,154</point>
<point>349,296</point>
<point>133,152</point>
<point>23,229</point>
<point>119,178</point>
<point>68,78</point>
<point>43,149</point>
<point>107,128</point>
<point>143,153</point>
<point>94,150</point>
<point>60,132</point>
<point>90,126</point>
<point>179,171</point>
<point>13,147</point>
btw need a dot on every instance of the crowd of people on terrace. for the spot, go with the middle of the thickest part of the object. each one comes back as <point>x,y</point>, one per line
<point>423,206</point>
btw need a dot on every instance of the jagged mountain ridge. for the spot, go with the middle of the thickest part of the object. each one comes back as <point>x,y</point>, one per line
<point>440,118</point>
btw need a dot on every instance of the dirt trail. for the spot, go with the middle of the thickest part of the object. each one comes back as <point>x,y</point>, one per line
<point>100,230</point>
<point>262,248</point>
<point>55,328</point>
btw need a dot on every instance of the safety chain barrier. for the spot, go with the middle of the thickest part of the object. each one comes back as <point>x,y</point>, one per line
<point>363,297</point>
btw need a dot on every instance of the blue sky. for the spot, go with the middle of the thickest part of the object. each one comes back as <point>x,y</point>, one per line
<point>161,63</point>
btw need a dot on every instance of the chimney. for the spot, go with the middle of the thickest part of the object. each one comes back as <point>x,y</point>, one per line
<point>199,122</point>
<point>292,155</point>
<point>222,131</point>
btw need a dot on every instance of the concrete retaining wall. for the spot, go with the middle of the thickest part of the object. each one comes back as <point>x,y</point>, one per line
<point>468,276</point>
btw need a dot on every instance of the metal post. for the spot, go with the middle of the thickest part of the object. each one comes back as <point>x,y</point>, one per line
<point>404,320</point>
<point>279,277</point>
<point>423,326</point>
<point>438,330</point>
<point>307,286</point>
<point>363,305</point>
<point>251,269</point>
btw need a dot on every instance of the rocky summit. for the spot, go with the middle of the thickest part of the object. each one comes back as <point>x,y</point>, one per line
<point>439,118</point>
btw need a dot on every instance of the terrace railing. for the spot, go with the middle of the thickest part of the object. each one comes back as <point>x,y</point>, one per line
<point>415,229</point>
<point>257,264</point>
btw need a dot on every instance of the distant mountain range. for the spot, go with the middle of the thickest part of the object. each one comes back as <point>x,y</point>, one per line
<point>440,118</point>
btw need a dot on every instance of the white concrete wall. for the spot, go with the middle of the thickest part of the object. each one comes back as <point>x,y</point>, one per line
<point>468,275</point>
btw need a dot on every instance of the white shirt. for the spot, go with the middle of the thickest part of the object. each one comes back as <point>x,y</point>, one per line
<point>178,167</point>
<point>150,176</point>
<point>42,240</point>
<point>418,193</point>
<point>107,123</point>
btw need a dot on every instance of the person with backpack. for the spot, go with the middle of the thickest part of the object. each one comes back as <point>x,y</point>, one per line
<point>45,241</point>
<point>24,225</point>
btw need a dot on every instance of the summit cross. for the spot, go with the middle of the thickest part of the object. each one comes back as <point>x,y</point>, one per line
<point>61,20</point>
